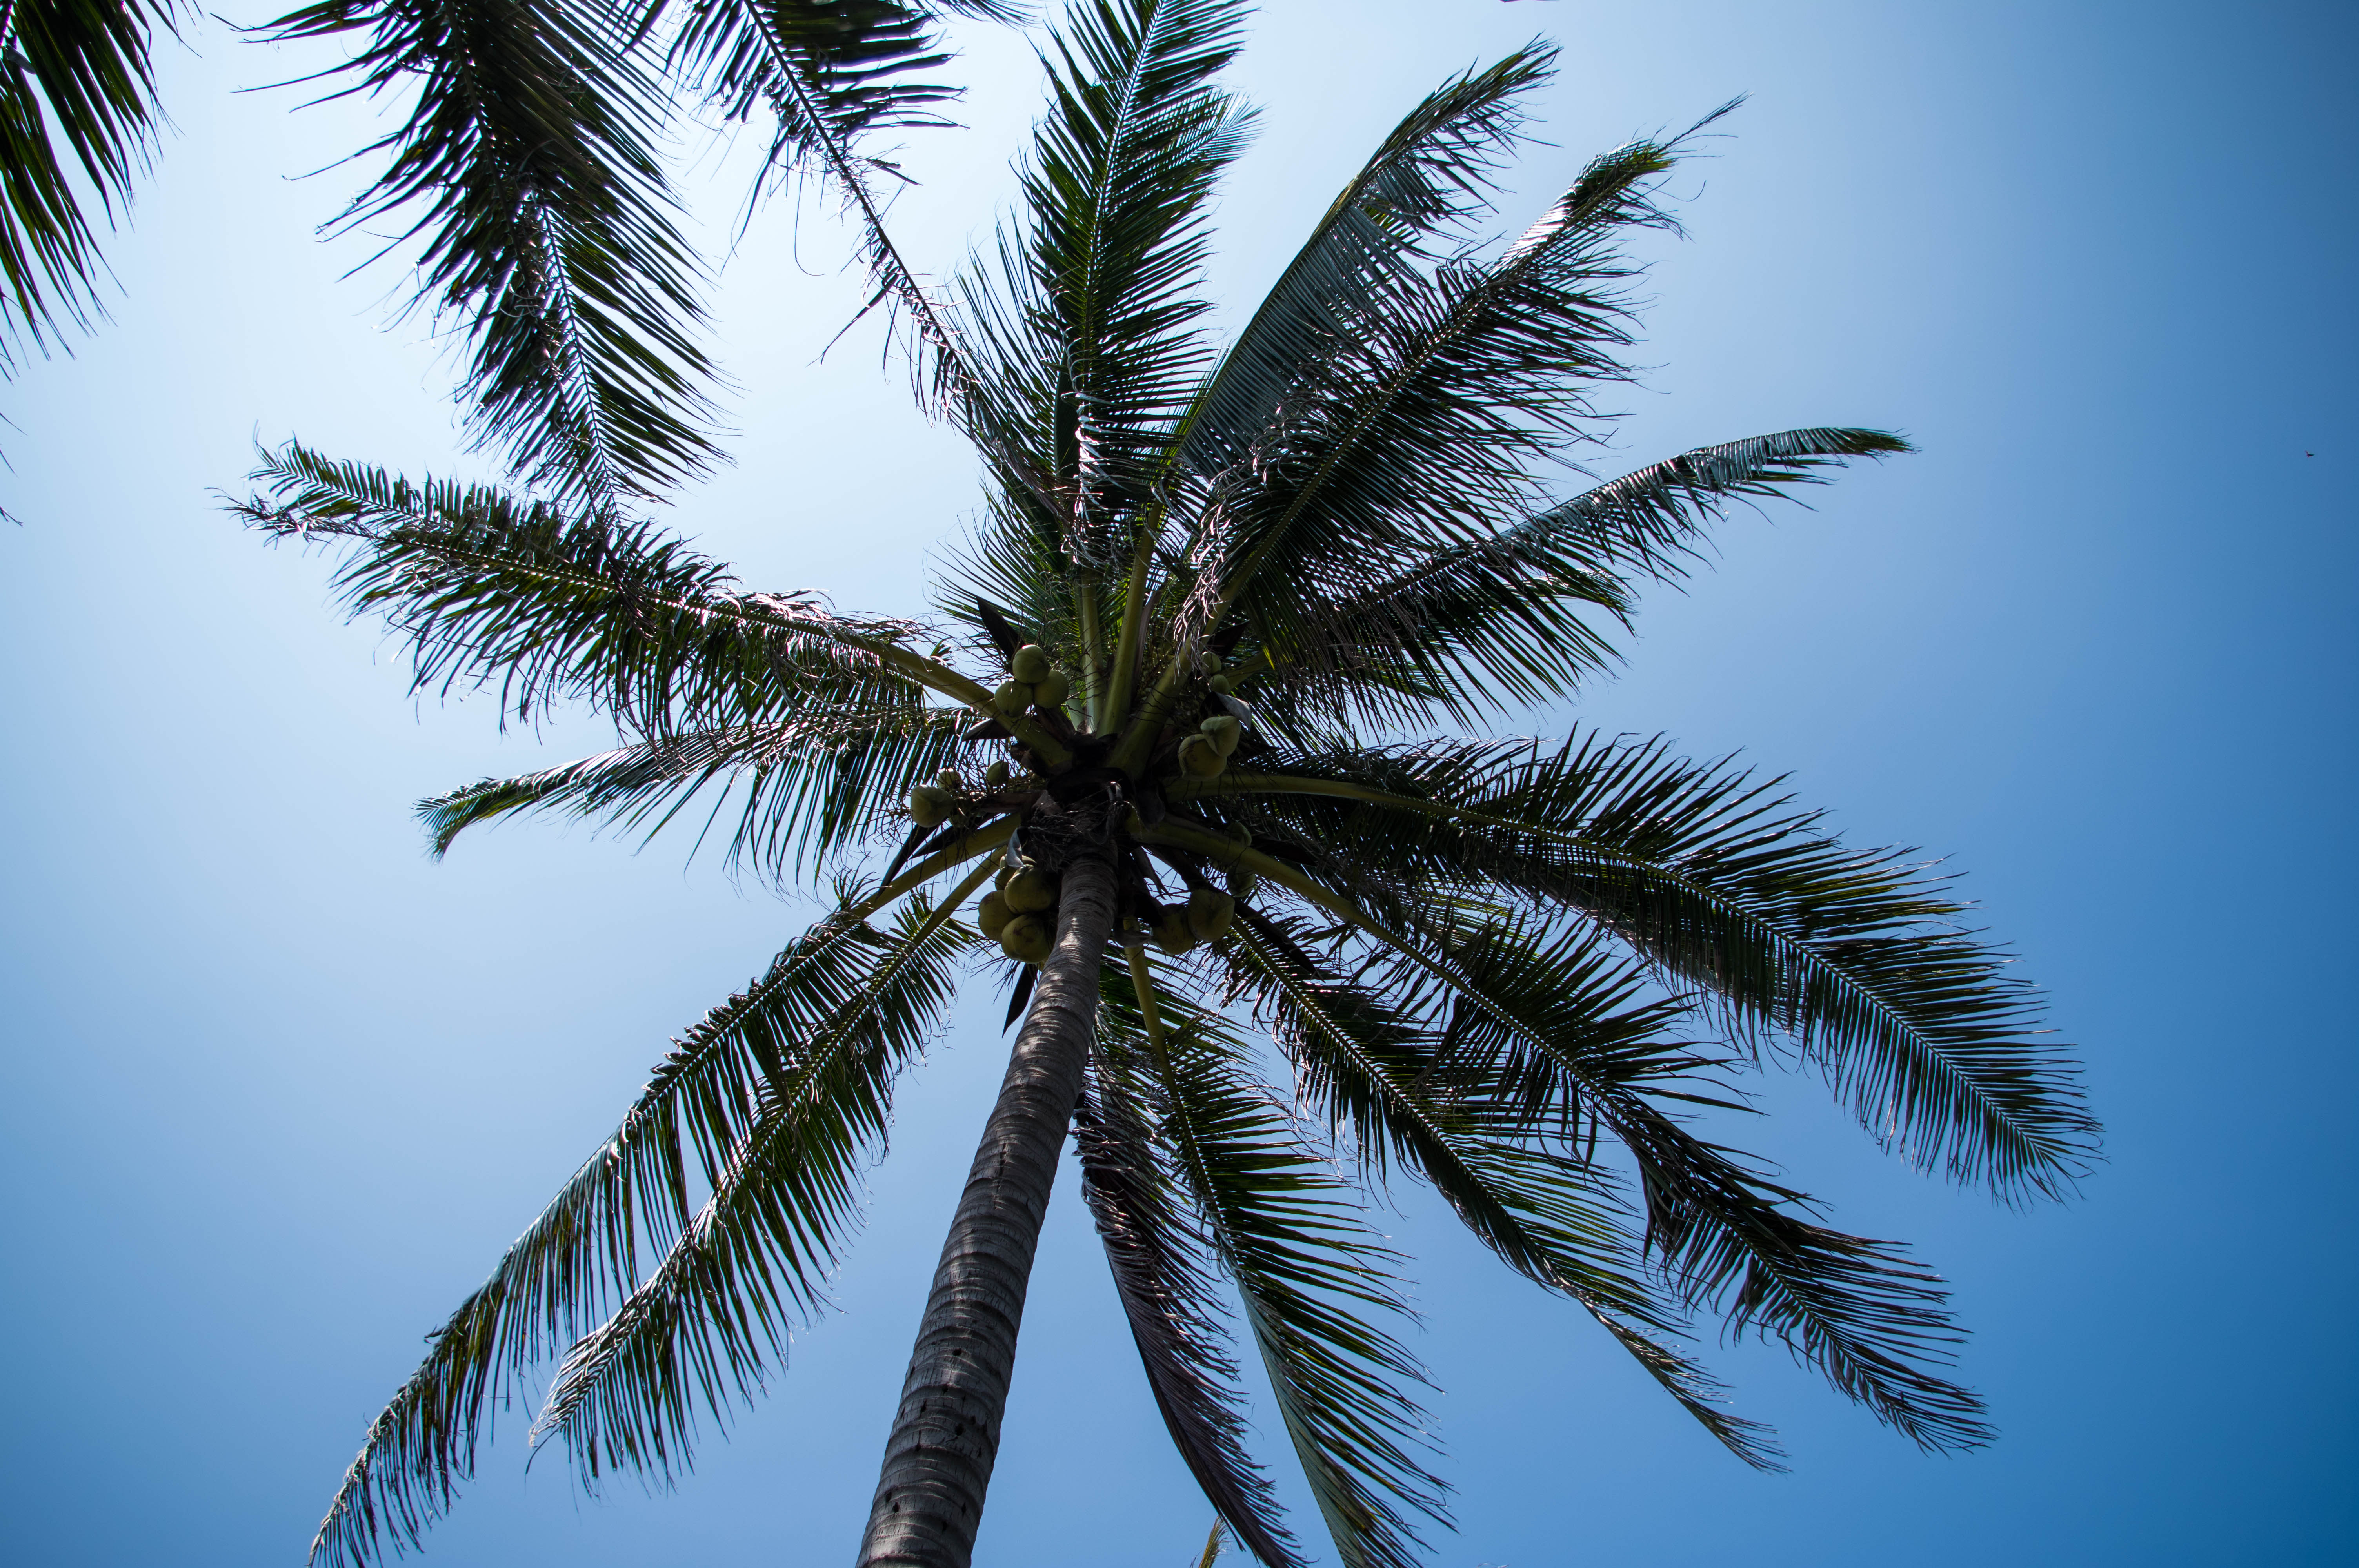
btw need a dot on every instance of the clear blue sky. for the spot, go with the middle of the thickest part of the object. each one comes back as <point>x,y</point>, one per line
<point>279,1089</point>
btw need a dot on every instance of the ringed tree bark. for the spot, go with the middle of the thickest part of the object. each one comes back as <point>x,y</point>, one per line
<point>945,1436</point>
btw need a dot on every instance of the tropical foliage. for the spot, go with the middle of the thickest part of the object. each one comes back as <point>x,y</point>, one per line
<point>1210,658</point>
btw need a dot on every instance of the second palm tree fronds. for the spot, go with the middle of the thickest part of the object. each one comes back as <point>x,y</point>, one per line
<point>1183,764</point>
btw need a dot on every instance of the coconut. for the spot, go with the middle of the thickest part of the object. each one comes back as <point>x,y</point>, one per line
<point>948,778</point>
<point>1031,889</point>
<point>1221,685</point>
<point>929,806</point>
<point>1225,732</point>
<point>1030,663</point>
<point>1011,697</point>
<point>1242,834</point>
<point>1241,881</point>
<point>1027,937</point>
<point>1209,914</point>
<point>1006,875</point>
<point>1053,688</point>
<point>996,774</point>
<point>1200,758</point>
<point>1170,931</point>
<point>991,916</point>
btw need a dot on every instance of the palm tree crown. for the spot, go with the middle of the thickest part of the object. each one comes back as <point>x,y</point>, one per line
<point>1180,715</point>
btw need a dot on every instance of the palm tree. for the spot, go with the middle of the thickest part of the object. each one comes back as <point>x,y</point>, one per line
<point>1168,767</point>
<point>526,172</point>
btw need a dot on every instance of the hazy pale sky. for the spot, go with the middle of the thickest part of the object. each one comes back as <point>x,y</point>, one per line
<point>281,1088</point>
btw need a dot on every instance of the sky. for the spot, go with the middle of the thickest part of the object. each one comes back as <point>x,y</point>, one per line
<point>281,1087</point>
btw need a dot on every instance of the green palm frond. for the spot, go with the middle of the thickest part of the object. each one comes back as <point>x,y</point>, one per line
<point>1554,1218</point>
<point>488,586</point>
<point>525,169</point>
<point>1509,619</point>
<point>1307,1273</point>
<point>1164,1275</point>
<point>77,122</point>
<point>581,1257</point>
<point>807,787</point>
<point>757,1251</point>
<point>1424,435</point>
<point>1856,957</point>
<point>1429,176</point>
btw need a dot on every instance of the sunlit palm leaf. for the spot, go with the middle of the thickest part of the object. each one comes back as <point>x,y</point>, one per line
<point>1307,1273</point>
<point>808,787</point>
<point>526,171</point>
<point>1164,1275</point>
<point>77,122</point>
<point>1855,957</point>
<point>581,1257</point>
<point>756,1254</point>
<point>491,588</point>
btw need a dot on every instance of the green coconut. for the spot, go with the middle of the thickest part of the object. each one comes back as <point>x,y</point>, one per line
<point>996,774</point>
<point>1169,930</point>
<point>948,778</point>
<point>1053,688</point>
<point>1031,889</point>
<point>928,805</point>
<point>1006,875</point>
<point>1200,758</point>
<point>1027,937</point>
<point>1225,732</point>
<point>1242,834</point>
<point>1222,685</point>
<point>1241,881</point>
<point>1030,663</point>
<point>1209,914</point>
<point>991,916</point>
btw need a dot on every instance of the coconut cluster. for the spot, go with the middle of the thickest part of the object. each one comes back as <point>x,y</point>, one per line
<point>1020,912</point>
<point>1034,682</point>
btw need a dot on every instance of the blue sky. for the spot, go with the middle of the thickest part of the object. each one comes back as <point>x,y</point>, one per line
<point>280,1088</point>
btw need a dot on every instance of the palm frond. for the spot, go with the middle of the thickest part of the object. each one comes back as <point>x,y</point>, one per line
<point>807,787</point>
<point>756,1254</point>
<point>1307,1273</point>
<point>1165,1277</point>
<point>1429,176</point>
<point>77,122</point>
<point>526,171</point>
<point>1554,1218</point>
<point>581,1256</point>
<point>1426,434</point>
<point>1858,957</point>
<point>491,588</point>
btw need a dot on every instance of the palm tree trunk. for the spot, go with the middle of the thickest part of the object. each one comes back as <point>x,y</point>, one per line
<point>938,1460</point>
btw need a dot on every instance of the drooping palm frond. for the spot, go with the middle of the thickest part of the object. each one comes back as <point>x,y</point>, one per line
<point>1509,619</point>
<point>808,787</point>
<point>1857,957</point>
<point>1164,1275</point>
<point>756,1254</point>
<point>527,170</point>
<point>1429,177</point>
<point>1553,1218</point>
<point>549,604</point>
<point>581,1257</point>
<point>78,120</point>
<point>1308,1272</point>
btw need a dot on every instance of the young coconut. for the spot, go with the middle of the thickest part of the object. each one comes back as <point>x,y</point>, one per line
<point>1221,685</point>
<point>1209,914</point>
<point>1030,891</point>
<point>1012,699</point>
<point>948,778</point>
<point>996,774</point>
<point>991,916</point>
<point>929,805</point>
<point>1027,937</point>
<point>1030,663</point>
<point>1200,758</point>
<point>1169,930</point>
<point>1054,687</point>
<point>1223,732</point>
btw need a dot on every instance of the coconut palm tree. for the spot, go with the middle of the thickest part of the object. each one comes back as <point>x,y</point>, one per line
<point>1193,761</point>
<point>526,172</point>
